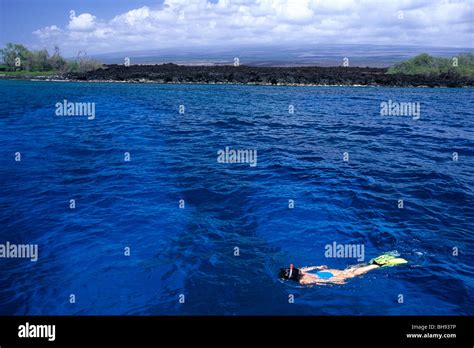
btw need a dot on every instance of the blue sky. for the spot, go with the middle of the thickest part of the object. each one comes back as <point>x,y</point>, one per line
<point>20,18</point>
<point>101,26</point>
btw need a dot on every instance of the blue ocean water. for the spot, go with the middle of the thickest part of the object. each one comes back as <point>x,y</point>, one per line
<point>190,251</point>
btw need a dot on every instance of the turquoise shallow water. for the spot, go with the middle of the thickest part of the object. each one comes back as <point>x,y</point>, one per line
<point>190,251</point>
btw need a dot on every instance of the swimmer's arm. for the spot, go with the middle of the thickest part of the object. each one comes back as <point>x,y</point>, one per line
<point>305,269</point>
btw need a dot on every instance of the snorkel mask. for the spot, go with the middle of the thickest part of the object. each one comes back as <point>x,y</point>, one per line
<point>291,273</point>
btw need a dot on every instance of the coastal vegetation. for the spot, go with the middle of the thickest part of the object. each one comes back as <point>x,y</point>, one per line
<point>18,61</point>
<point>424,64</point>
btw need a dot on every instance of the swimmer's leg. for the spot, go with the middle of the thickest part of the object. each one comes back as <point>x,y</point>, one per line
<point>354,272</point>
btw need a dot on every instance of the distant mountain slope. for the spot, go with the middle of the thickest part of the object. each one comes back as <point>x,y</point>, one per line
<point>327,55</point>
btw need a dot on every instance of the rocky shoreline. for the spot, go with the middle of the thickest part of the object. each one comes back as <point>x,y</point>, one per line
<point>341,76</point>
<point>289,76</point>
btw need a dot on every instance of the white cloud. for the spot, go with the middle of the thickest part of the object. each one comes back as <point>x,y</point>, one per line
<point>48,32</point>
<point>83,22</point>
<point>133,17</point>
<point>178,23</point>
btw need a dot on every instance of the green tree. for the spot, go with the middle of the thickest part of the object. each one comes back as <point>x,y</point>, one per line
<point>423,59</point>
<point>15,56</point>
<point>424,64</point>
<point>39,61</point>
<point>56,61</point>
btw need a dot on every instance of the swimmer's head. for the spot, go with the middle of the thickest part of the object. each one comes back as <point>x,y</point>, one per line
<point>291,273</point>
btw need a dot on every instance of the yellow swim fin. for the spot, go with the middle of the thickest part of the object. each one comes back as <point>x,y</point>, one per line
<point>387,260</point>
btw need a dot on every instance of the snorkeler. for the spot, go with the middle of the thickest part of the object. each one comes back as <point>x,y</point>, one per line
<point>325,275</point>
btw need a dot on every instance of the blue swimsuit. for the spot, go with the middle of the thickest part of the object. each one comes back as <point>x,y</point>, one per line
<point>324,274</point>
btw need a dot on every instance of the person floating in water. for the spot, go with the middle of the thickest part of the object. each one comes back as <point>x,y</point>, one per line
<point>325,275</point>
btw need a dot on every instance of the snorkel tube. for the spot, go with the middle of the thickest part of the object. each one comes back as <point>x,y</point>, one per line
<point>291,271</point>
